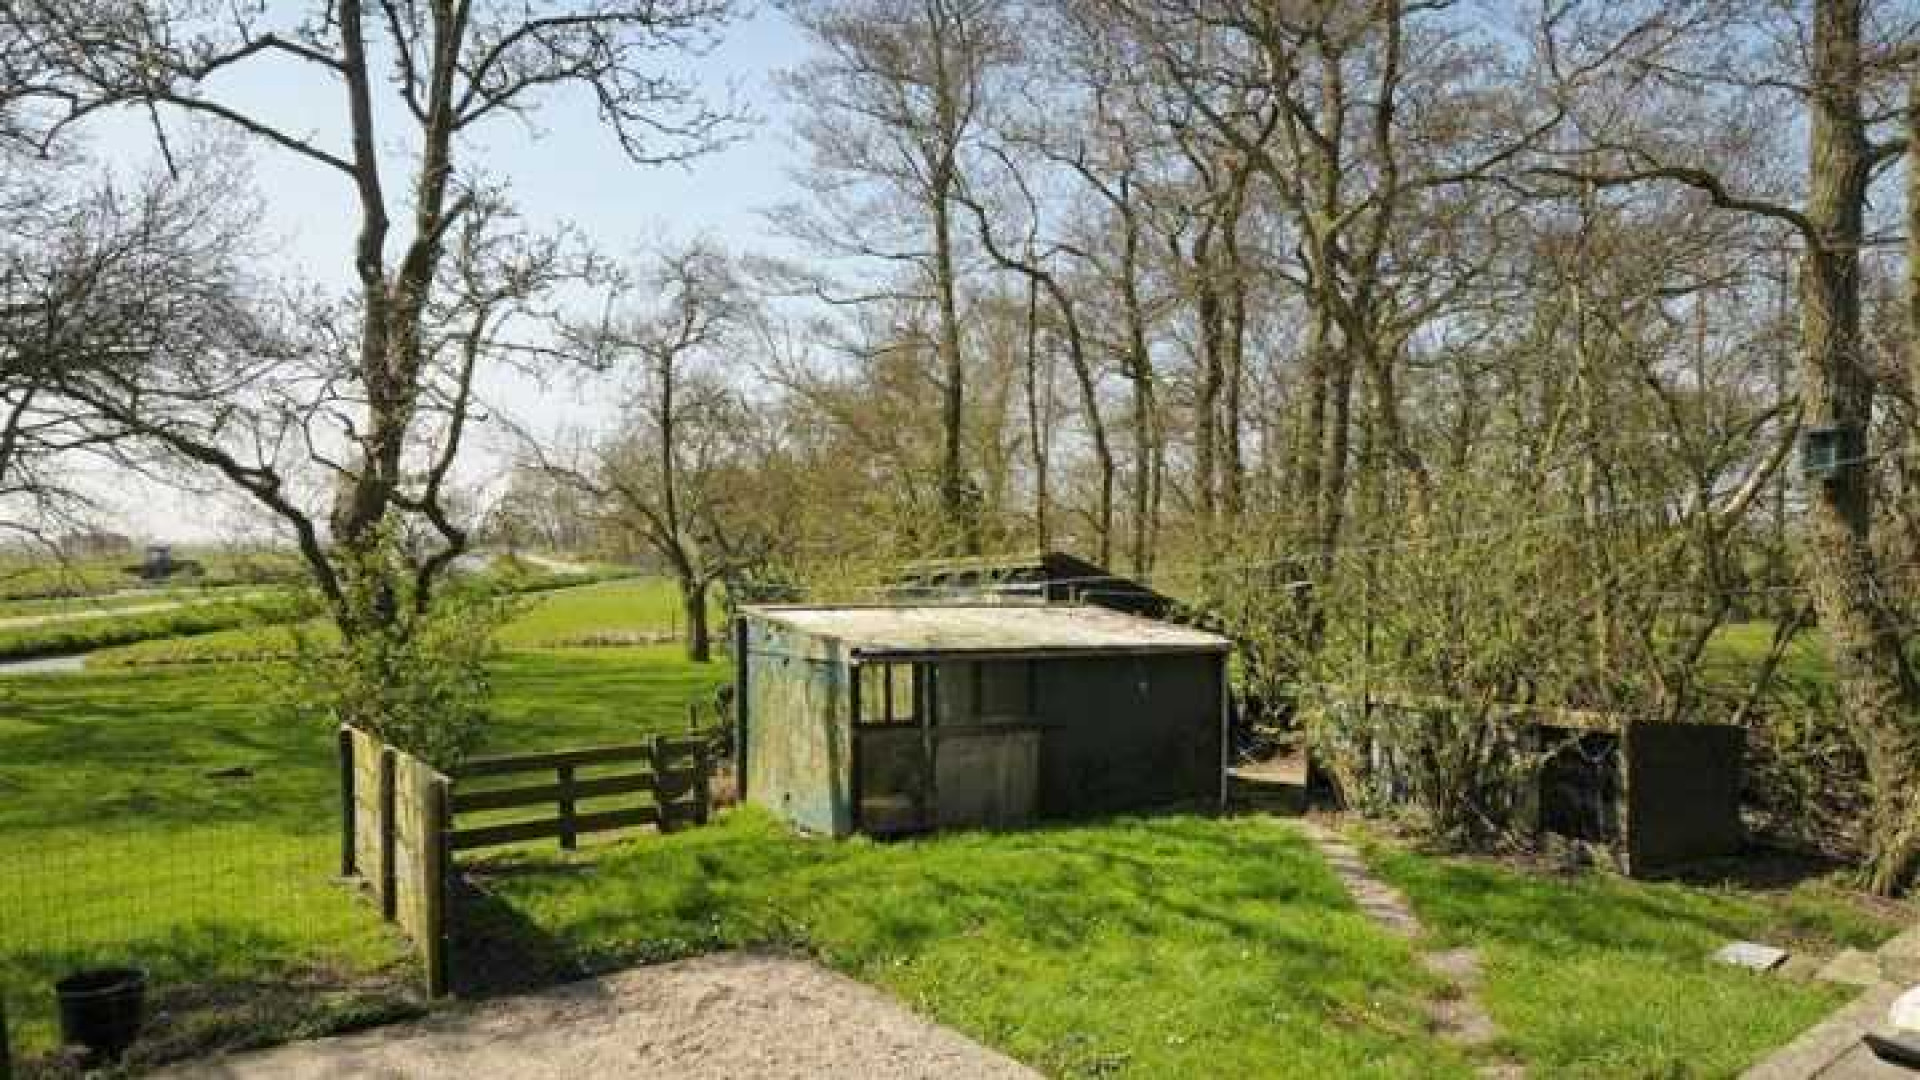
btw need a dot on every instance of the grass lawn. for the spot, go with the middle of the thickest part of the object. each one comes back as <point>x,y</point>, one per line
<point>1596,975</point>
<point>1736,652</point>
<point>116,844</point>
<point>1176,946</point>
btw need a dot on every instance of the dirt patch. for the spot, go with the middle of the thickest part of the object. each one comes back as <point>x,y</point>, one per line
<point>729,1015</point>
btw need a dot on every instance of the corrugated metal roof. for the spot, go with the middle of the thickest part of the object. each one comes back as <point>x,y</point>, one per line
<point>898,631</point>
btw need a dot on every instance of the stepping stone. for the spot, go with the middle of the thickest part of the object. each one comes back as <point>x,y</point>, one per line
<point>1461,966</point>
<point>1752,956</point>
<point>1851,967</point>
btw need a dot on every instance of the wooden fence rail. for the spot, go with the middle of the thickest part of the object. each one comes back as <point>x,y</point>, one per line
<point>674,772</point>
<point>400,817</point>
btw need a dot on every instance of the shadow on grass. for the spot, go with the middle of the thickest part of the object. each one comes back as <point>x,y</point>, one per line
<point>494,949</point>
<point>212,988</point>
<point>1758,870</point>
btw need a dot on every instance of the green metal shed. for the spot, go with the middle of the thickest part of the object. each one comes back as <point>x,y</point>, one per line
<point>893,719</point>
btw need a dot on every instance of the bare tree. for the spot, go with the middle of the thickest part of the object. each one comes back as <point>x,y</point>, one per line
<point>382,407</point>
<point>893,96</point>
<point>93,272</point>
<point>668,474</point>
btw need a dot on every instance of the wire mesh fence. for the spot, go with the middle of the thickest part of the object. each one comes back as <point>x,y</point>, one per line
<point>201,849</point>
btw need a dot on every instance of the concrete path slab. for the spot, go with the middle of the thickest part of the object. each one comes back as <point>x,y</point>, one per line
<point>1831,1049</point>
<point>744,1014</point>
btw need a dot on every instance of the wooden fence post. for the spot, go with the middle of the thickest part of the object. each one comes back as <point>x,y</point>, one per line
<point>437,869</point>
<point>568,838</point>
<point>347,823</point>
<point>386,827</point>
<point>740,718</point>
<point>661,802</point>
<point>702,783</point>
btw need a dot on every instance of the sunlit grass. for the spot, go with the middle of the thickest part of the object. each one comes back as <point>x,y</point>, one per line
<point>1596,975</point>
<point>1166,947</point>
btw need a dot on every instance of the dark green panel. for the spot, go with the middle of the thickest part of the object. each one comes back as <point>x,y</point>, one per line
<point>1128,733</point>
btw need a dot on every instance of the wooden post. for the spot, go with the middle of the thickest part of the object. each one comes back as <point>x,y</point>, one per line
<point>438,870</point>
<point>1226,732</point>
<point>856,782</point>
<point>929,751</point>
<point>569,840</point>
<point>702,784</point>
<point>345,741</point>
<point>660,800</point>
<point>387,825</point>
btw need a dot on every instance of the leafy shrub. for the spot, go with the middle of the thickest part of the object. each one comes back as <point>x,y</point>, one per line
<point>413,674</point>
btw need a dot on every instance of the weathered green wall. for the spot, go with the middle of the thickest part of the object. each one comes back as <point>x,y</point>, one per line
<point>799,744</point>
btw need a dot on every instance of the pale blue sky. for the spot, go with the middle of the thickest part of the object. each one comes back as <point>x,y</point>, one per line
<point>563,167</point>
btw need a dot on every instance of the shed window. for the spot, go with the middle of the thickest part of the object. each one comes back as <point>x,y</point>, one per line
<point>890,693</point>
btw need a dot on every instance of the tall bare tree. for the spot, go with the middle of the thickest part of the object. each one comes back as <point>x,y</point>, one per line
<point>891,98</point>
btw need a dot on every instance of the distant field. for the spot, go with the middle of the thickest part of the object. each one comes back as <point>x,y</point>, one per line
<point>609,611</point>
<point>1736,653</point>
<point>36,580</point>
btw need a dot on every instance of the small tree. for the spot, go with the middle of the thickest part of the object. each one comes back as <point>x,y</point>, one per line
<point>675,473</point>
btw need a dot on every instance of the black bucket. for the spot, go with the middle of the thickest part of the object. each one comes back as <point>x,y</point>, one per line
<point>101,1010</point>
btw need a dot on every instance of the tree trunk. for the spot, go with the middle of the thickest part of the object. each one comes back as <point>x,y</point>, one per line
<point>1209,311</point>
<point>1876,680</point>
<point>693,605</point>
<point>1140,368</point>
<point>1233,467</point>
<point>953,487</point>
<point>1038,434</point>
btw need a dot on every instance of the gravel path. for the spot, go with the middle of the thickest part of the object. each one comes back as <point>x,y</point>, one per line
<point>743,1014</point>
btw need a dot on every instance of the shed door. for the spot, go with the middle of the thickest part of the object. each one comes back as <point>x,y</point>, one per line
<point>989,779</point>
